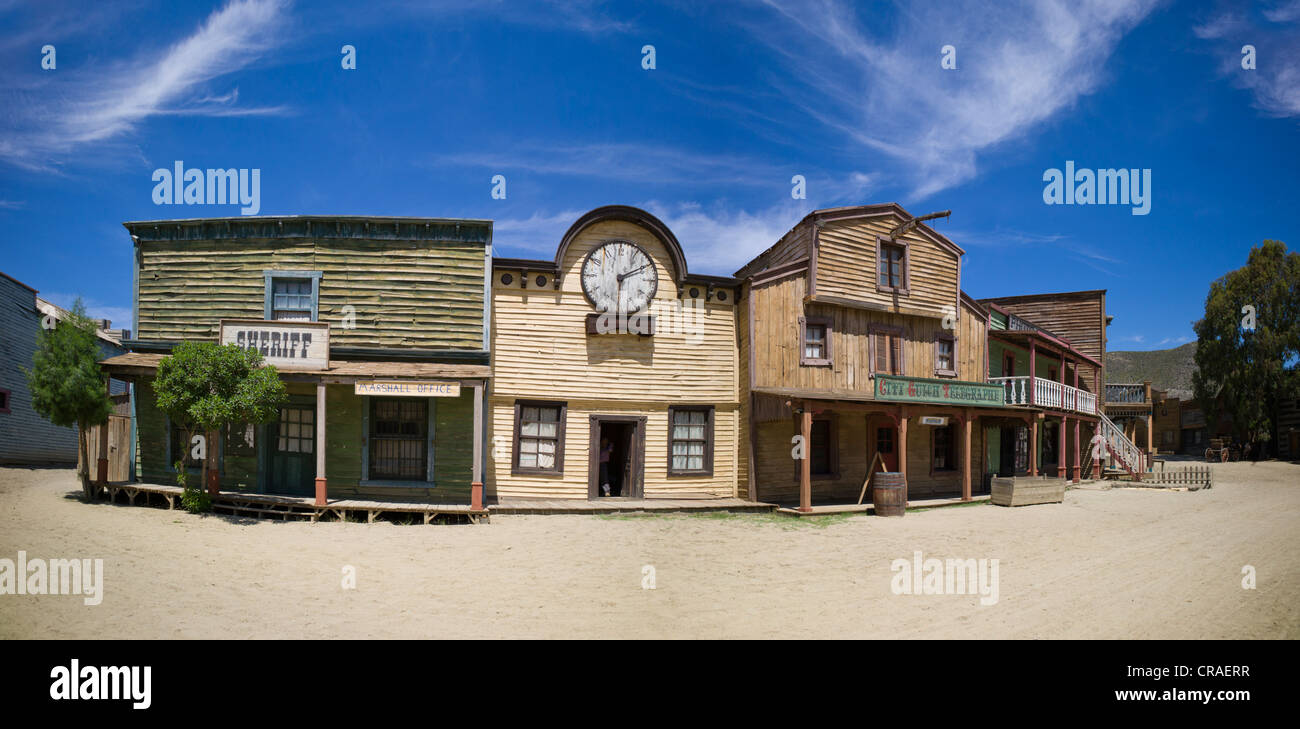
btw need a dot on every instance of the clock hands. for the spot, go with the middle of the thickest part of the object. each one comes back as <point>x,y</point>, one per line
<point>622,276</point>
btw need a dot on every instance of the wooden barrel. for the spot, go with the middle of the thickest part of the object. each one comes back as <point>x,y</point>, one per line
<point>889,493</point>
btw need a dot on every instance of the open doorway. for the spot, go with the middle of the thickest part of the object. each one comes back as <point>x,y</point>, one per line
<point>617,455</point>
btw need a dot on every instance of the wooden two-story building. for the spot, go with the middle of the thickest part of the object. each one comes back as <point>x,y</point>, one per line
<point>378,326</point>
<point>615,369</point>
<point>857,342</point>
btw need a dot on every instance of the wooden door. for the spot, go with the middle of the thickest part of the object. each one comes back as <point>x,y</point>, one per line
<point>885,442</point>
<point>293,452</point>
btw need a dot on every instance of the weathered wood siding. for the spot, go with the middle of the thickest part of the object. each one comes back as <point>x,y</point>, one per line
<point>406,294</point>
<point>540,350</point>
<point>779,305</point>
<point>1077,316</point>
<point>847,265</point>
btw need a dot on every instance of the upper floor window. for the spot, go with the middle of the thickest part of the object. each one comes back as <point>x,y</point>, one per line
<point>945,355</point>
<point>4,401</point>
<point>887,351</point>
<point>815,341</point>
<point>892,273</point>
<point>292,295</point>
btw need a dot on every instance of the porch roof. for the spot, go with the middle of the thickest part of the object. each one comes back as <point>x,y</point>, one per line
<point>146,363</point>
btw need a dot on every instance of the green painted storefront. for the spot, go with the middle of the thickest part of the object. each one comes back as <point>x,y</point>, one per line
<point>346,444</point>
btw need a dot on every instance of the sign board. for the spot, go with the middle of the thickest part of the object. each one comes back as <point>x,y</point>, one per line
<point>933,420</point>
<point>298,345</point>
<point>943,392</point>
<point>407,388</point>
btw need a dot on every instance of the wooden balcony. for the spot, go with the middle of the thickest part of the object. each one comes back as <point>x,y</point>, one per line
<point>1134,394</point>
<point>1037,392</point>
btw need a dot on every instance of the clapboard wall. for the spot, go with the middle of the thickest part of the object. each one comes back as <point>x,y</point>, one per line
<point>409,283</point>
<point>25,437</point>
<point>541,351</point>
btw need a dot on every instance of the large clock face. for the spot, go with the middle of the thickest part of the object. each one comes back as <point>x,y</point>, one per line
<point>619,277</point>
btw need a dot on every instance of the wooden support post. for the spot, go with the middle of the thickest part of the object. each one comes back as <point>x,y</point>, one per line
<point>1100,456</point>
<point>1033,358</point>
<point>965,478</point>
<point>1150,440</point>
<point>805,465</point>
<point>321,489</point>
<point>902,449</point>
<point>476,484</point>
<point>1060,448</point>
<point>101,465</point>
<point>1076,446</point>
<point>1033,446</point>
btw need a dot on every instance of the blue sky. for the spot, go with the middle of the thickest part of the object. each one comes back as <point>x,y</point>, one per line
<point>743,96</point>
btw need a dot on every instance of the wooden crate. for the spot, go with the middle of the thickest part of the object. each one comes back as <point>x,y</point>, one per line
<point>1027,491</point>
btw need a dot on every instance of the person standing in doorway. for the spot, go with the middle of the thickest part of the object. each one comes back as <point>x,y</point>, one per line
<point>606,450</point>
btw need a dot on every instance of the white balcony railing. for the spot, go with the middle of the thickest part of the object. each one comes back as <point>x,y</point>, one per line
<point>1045,394</point>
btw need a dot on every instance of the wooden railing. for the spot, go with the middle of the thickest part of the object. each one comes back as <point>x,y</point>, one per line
<point>1045,394</point>
<point>1120,447</point>
<point>1126,393</point>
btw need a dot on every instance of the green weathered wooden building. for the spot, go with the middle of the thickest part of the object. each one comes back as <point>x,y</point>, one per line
<point>378,326</point>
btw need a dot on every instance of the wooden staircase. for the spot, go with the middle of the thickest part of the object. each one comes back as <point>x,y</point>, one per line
<point>1122,450</point>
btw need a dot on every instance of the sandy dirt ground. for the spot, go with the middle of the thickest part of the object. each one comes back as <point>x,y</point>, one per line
<point>1122,563</point>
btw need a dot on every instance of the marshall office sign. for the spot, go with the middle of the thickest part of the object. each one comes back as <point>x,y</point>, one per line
<point>299,345</point>
<point>942,392</point>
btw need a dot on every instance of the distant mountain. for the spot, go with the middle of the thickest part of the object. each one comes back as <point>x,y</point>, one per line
<point>1167,369</point>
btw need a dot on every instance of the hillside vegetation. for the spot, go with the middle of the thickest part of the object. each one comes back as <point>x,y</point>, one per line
<point>1167,369</point>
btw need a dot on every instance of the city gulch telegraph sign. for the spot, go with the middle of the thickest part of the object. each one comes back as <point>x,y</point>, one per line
<point>947,392</point>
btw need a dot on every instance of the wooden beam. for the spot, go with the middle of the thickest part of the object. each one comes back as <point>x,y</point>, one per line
<point>321,489</point>
<point>1077,445</point>
<point>805,465</point>
<point>476,485</point>
<point>1033,356</point>
<point>1033,445</point>
<point>965,476</point>
<point>1060,448</point>
<point>902,448</point>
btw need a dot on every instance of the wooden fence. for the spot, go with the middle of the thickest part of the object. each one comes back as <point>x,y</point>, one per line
<point>1192,477</point>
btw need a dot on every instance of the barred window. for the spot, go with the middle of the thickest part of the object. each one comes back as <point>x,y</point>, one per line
<point>398,433</point>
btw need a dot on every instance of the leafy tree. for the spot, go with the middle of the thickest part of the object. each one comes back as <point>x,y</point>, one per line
<point>205,386</point>
<point>1248,344</point>
<point>68,388</point>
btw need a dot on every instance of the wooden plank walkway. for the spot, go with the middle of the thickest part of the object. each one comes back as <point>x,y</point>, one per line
<point>286,508</point>
<point>868,508</point>
<point>616,505</point>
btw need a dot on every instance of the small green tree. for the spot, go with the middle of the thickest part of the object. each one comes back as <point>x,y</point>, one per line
<point>1249,341</point>
<point>67,385</point>
<point>205,386</point>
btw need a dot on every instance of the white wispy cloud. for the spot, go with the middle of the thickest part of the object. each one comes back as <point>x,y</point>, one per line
<point>102,104</point>
<point>880,84</point>
<point>1284,12</point>
<point>627,161</point>
<point>1274,83</point>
